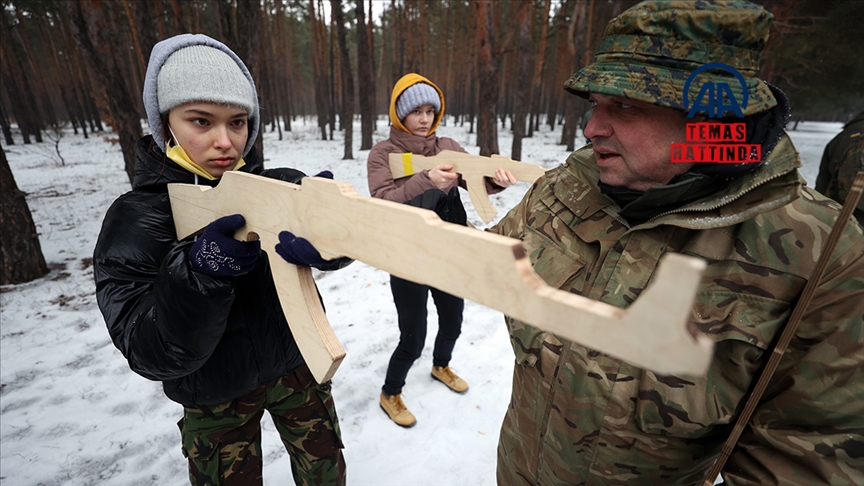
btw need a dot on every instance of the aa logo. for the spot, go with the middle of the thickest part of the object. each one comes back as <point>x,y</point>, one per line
<point>721,141</point>
<point>711,97</point>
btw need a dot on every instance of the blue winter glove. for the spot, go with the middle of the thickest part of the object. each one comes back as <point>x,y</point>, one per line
<point>293,176</point>
<point>298,251</point>
<point>218,254</point>
<point>286,174</point>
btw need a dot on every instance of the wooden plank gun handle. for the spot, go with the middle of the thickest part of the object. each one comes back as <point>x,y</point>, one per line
<point>312,331</point>
<point>298,295</point>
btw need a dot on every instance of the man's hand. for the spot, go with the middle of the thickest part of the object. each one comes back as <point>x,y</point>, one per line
<point>441,177</point>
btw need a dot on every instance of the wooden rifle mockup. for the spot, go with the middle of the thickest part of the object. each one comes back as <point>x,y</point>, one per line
<point>474,168</point>
<point>407,242</point>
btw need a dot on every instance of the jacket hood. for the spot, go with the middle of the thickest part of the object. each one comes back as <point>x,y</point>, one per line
<point>858,118</point>
<point>153,169</point>
<point>160,53</point>
<point>404,83</point>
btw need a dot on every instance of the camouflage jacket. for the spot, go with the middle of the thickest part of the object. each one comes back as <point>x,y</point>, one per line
<point>578,416</point>
<point>842,160</point>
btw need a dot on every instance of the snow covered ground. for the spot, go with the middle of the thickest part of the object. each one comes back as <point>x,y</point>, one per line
<point>72,413</point>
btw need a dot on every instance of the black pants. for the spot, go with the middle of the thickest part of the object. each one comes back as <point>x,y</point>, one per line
<point>411,301</point>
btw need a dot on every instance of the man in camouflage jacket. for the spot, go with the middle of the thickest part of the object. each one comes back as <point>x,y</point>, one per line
<point>598,225</point>
<point>842,160</point>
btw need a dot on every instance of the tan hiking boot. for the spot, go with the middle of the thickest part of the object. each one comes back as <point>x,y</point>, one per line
<point>445,375</point>
<point>397,410</point>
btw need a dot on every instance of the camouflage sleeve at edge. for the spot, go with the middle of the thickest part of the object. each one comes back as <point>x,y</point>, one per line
<point>810,427</point>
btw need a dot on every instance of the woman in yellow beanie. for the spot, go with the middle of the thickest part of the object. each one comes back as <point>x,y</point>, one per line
<point>416,110</point>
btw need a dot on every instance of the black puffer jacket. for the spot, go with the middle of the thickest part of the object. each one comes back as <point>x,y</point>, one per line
<point>209,340</point>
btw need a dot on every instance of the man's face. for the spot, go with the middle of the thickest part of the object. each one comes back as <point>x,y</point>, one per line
<point>632,141</point>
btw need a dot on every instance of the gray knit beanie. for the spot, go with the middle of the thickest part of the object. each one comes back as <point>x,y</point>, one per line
<point>194,67</point>
<point>417,95</point>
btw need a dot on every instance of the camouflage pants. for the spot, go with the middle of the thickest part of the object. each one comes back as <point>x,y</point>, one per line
<point>223,442</point>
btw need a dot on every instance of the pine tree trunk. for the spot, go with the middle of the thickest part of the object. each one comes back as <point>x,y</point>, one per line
<point>523,24</point>
<point>272,67</point>
<point>250,48</point>
<point>579,35</point>
<point>160,18</point>
<point>223,16</point>
<point>538,68</point>
<point>397,46</point>
<point>422,34</point>
<point>95,27</point>
<point>276,55</point>
<point>55,74</point>
<point>465,65</point>
<point>410,41</point>
<point>331,80</point>
<point>21,258</point>
<point>319,65</point>
<point>142,28</point>
<point>177,17</point>
<point>447,78</point>
<point>367,82</point>
<point>561,69</point>
<point>346,113</point>
<point>383,55</point>
<point>19,111</point>
<point>70,66</point>
<point>487,96</point>
<point>80,93</point>
<point>23,104</point>
<point>4,124</point>
<point>45,115</point>
<point>290,94</point>
<point>373,78</point>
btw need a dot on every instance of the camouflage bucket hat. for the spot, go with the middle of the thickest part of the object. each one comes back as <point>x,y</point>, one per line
<point>648,52</point>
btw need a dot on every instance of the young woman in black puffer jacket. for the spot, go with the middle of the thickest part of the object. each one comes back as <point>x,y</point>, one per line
<point>203,316</point>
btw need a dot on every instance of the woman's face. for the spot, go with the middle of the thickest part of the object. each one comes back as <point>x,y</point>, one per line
<point>419,120</point>
<point>212,135</point>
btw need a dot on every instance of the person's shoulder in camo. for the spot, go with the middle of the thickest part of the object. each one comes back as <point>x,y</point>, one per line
<point>842,160</point>
<point>598,225</point>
